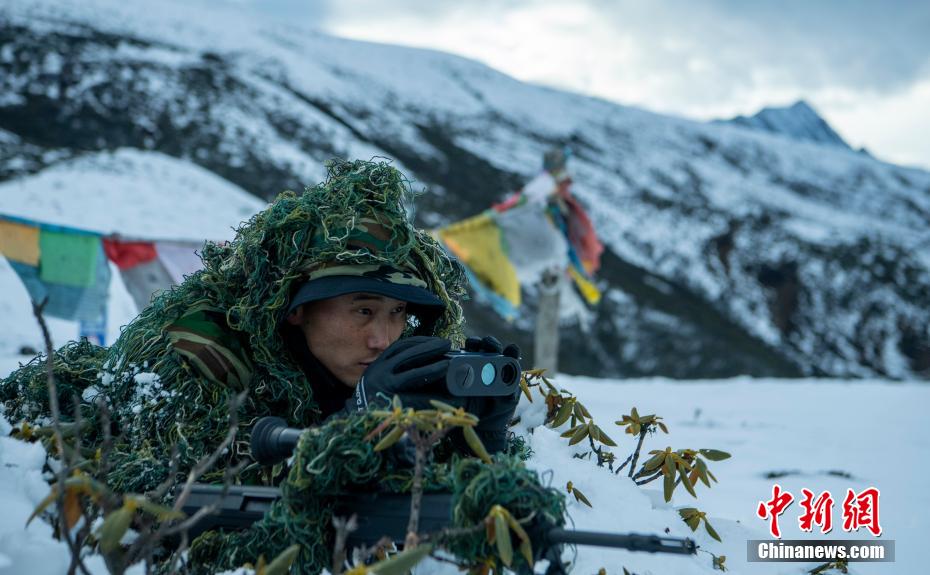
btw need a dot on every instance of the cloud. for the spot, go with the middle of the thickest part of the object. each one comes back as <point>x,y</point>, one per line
<point>715,47</point>
<point>877,46</point>
<point>714,58</point>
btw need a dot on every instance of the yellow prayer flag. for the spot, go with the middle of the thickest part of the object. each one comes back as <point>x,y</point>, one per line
<point>590,292</point>
<point>19,242</point>
<point>476,242</point>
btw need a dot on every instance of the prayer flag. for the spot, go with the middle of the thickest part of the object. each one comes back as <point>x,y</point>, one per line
<point>180,259</point>
<point>68,259</point>
<point>19,242</point>
<point>68,301</point>
<point>129,254</point>
<point>476,241</point>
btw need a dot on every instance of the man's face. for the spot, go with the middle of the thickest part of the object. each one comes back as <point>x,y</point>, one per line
<point>348,332</point>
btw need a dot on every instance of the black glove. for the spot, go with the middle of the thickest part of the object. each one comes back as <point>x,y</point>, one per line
<point>413,368</point>
<point>494,413</point>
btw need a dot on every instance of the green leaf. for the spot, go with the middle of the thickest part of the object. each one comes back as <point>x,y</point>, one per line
<point>669,469</point>
<point>654,462</point>
<point>515,525</point>
<point>580,497</point>
<point>502,536</point>
<point>489,529</point>
<point>571,431</point>
<point>390,439</point>
<point>714,454</point>
<point>43,505</point>
<point>711,531</point>
<point>686,482</point>
<point>526,549</point>
<point>161,512</point>
<point>691,516</point>
<point>701,468</point>
<point>441,406</point>
<point>403,562</point>
<point>603,438</point>
<point>564,412</point>
<point>579,435</point>
<point>662,426</point>
<point>579,411</point>
<point>669,486</point>
<point>114,527</point>
<point>282,563</point>
<point>473,441</point>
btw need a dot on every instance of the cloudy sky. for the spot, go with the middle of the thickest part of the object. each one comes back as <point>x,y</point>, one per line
<point>864,65</point>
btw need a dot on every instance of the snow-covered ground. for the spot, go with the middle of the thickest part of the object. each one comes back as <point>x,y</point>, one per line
<point>816,434</point>
<point>869,431</point>
<point>822,434</point>
<point>134,193</point>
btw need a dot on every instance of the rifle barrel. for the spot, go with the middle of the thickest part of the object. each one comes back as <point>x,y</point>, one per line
<point>632,541</point>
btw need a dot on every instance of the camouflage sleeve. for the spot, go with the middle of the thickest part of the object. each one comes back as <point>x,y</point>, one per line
<point>217,353</point>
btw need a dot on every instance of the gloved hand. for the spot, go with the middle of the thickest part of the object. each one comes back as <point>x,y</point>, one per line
<point>413,368</point>
<point>494,413</point>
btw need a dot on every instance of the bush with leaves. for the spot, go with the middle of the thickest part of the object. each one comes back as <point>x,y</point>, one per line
<point>684,467</point>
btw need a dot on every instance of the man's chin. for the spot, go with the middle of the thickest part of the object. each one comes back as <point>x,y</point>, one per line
<point>351,378</point>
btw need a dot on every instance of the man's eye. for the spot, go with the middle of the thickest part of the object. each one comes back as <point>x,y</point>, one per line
<point>400,309</point>
<point>365,311</point>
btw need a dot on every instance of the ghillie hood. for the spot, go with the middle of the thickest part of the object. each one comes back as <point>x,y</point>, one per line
<point>252,278</point>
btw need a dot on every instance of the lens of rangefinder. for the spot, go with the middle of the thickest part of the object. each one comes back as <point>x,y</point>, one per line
<point>509,374</point>
<point>487,374</point>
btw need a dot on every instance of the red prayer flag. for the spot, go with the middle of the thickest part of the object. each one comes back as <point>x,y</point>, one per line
<point>127,255</point>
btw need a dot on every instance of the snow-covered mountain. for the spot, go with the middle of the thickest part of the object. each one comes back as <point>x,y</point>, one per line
<point>798,121</point>
<point>730,250</point>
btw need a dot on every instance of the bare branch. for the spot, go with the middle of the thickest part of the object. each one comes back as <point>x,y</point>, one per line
<point>64,466</point>
<point>651,478</point>
<point>639,445</point>
<point>343,528</point>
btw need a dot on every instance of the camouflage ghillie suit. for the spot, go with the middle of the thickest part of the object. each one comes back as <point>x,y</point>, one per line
<point>170,375</point>
<point>169,378</point>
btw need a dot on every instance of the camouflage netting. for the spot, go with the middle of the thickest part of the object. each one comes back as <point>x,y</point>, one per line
<point>162,395</point>
<point>334,459</point>
<point>24,394</point>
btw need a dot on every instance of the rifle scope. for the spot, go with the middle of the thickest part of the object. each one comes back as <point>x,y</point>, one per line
<point>273,441</point>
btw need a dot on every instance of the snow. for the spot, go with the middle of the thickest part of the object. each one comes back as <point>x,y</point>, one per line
<point>873,432</point>
<point>822,434</point>
<point>133,193</point>
<point>690,181</point>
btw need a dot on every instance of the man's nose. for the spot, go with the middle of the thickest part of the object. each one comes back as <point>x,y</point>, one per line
<point>379,336</point>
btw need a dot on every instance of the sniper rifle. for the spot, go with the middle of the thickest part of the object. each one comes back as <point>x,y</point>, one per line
<point>380,515</point>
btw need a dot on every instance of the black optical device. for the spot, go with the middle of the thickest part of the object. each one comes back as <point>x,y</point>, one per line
<point>481,374</point>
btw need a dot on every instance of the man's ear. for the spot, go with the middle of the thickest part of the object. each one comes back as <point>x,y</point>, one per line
<point>296,317</point>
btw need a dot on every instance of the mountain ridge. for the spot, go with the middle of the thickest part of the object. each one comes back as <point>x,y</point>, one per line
<point>801,256</point>
<point>799,121</point>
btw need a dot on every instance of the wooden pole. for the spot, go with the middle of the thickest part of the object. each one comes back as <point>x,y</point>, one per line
<point>546,345</point>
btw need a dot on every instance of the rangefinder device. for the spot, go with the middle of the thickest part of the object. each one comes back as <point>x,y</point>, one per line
<point>474,373</point>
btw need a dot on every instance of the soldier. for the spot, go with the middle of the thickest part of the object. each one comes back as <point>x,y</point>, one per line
<point>324,303</point>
